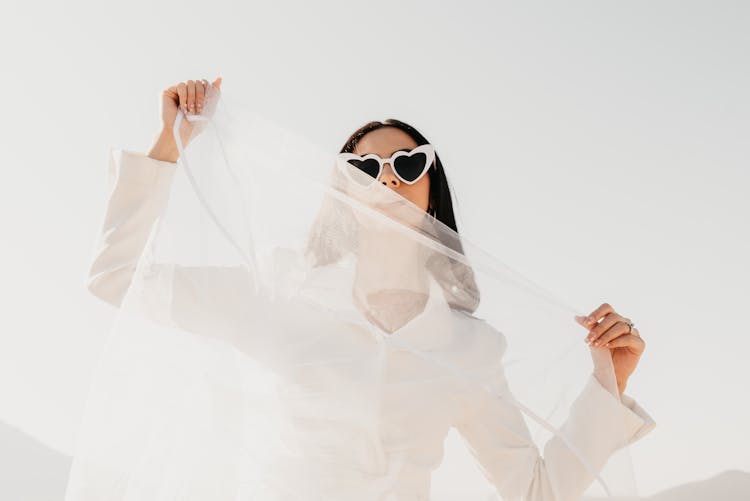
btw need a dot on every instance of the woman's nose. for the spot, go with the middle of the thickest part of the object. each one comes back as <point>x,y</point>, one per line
<point>388,178</point>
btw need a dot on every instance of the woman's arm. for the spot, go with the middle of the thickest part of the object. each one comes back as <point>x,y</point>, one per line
<point>598,424</point>
<point>138,193</point>
<point>212,300</point>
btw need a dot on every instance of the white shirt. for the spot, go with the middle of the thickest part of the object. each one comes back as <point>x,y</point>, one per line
<point>494,431</point>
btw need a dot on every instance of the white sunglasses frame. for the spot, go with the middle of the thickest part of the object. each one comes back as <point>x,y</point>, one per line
<point>342,161</point>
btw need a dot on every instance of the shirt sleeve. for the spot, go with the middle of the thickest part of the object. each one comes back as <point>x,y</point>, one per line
<point>138,193</point>
<point>212,300</point>
<point>498,437</point>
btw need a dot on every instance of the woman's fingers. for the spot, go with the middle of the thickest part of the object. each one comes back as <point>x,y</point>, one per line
<point>603,321</point>
<point>191,96</point>
<point>597,329</point>
<point>592,318</point>
<point>200,92</point>
<point>182,94</point>
<point>600,313</point>
<point>628,341</point>
<point>610,321</point>
<point>615,329</point>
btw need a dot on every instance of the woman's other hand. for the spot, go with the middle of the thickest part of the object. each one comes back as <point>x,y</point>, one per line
<point>188,96</point>
<point>608,329</point>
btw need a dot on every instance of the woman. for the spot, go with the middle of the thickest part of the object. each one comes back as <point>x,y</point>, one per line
<point>395,297</point>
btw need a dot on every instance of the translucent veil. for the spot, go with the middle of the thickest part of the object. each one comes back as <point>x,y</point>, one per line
<point>289,334</point>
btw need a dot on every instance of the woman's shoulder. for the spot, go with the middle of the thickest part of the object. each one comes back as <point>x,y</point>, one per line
<point>477,339</point>
<point>478,325</point>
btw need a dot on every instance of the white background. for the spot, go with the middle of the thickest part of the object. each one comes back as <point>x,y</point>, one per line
<point>605,143</point>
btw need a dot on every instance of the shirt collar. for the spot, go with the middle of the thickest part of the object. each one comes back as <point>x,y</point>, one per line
<point>433,328</point>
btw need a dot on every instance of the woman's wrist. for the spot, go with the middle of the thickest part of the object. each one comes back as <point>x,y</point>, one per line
<point>621,386</point>
<point>164,147</point>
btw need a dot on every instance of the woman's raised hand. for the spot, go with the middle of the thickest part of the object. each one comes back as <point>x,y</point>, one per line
<point>608,329</point>
<point>188,96</point>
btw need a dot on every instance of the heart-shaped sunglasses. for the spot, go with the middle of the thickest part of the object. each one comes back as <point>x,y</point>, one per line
<point>408,166</point>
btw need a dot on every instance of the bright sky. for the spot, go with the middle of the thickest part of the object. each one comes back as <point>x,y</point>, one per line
<point>607,143</point>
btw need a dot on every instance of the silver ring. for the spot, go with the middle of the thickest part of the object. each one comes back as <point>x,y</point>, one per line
<point>630,327</point>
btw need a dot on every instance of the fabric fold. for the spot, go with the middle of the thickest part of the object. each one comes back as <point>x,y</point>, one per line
<point>286,331</point>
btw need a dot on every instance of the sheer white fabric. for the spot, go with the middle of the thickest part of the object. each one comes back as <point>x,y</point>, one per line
<point>279,337</point>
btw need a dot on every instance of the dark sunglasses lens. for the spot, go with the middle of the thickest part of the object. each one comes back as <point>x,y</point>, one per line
<point>369,166</point>
<point>410,167</point>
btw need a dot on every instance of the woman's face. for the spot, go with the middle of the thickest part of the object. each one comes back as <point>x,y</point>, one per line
<point>384,142</point>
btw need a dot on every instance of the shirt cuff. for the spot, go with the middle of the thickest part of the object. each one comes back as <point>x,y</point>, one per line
<point>648,422</point>
<point>135,167</point>
<point>636,422</point>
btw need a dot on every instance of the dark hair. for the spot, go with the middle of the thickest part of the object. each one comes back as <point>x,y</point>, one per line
<point>440,193</point>
<point>321,246</point>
